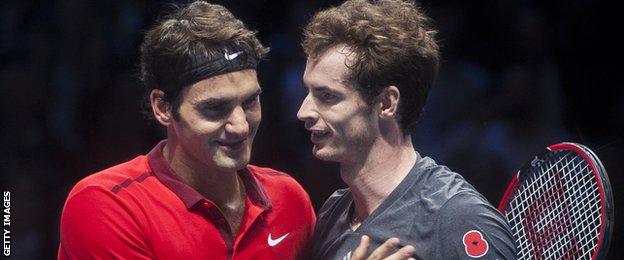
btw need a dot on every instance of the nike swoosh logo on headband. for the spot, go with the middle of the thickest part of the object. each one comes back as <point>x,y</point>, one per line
<point>232,56</point>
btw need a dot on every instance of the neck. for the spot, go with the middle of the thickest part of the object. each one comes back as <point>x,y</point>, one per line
<point>374,176</point>
<point>223,188</point>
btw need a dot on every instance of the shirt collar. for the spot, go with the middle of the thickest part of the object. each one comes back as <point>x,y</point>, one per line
<point>190,196</point>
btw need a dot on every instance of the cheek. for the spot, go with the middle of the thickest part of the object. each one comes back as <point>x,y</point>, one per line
<point>360,129</point>
<point>254,117</point>
<point>350,121</point>
<point>192,125</point>
<point>202,129</point>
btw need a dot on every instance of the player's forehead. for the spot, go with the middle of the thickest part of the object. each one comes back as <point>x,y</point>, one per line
<point>229,86</point>
<point>329,68</point>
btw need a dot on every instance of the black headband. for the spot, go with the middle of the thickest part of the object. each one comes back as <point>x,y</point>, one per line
<point>202,66</point>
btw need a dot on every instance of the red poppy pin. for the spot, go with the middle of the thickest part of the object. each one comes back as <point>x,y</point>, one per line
<point>475,244</point>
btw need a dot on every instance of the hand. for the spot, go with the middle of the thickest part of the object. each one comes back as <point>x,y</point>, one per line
<point>383,252</point>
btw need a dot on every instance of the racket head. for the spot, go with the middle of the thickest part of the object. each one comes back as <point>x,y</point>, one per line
<point>561,196</point>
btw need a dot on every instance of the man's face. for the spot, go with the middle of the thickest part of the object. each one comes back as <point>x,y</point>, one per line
<point>218,119</point>
<point>342,125</point>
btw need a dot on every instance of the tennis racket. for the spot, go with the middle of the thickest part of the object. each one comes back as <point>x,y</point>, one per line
<point>560,205</point>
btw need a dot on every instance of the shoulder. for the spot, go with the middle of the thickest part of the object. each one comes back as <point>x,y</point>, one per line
<point>101,189</point>
<point>438,184</point>
<point>468,205</point>
<point>95,222</point>
<point>468,219</point>
<point>99,196</point>
<point>114,177</point>
<point>466,224</point>
<point>439,176</point>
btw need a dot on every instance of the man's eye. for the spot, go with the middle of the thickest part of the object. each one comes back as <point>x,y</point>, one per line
<point>250,102</point>
<point>328,97</point>
<point>213,111</point>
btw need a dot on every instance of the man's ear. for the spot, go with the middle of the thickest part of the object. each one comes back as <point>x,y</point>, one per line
<point>389,102</point>
<point>162,109</point>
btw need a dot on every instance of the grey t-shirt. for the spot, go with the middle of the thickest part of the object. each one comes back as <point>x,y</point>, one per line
<point>433,209</point>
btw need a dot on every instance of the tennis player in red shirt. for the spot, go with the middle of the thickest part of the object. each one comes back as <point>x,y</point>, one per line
<point>194,195</point>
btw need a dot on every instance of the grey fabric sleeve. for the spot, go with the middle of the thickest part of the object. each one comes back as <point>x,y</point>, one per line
<point>470,228</point>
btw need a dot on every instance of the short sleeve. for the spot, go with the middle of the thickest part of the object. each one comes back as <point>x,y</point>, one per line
<point>468,227</point>
<point>95,224</point>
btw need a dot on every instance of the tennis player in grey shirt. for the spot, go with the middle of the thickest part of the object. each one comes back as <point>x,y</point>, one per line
<point>370,65</point>
<point>433,209</point>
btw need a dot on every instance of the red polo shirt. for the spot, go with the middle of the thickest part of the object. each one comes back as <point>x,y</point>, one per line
<point>141,210</point>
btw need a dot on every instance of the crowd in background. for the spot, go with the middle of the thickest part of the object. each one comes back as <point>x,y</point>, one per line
<point>516,75</point>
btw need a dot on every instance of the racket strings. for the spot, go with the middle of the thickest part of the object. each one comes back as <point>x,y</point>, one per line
<point>566,243</point>
<point>586,202</point>
<point>555,213</point>
<point>519,208</point>
<point>555,221</point>
<point>588,220</point>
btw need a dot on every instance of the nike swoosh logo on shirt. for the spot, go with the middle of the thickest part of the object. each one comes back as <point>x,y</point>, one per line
<point>273,242</point>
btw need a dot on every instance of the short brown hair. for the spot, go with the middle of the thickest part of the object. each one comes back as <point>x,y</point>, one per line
<point>191,34</point>
<point>393,43</point>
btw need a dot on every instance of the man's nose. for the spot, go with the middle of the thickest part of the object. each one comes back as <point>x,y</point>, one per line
<point>306,111</point>
<point>237,123</point>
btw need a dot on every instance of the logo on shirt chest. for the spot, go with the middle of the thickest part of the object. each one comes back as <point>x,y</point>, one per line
<point>274,242</point>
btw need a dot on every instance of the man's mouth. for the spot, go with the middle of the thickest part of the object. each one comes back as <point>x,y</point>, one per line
<point>232,146</point>
<point>318,135</point>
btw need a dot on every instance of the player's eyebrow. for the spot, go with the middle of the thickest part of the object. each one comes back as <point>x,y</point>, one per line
<point>255,94</point>
<point>319,88</point>
<point>211,101</point>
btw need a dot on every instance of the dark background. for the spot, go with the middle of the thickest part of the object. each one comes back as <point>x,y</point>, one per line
<point>517,75</point>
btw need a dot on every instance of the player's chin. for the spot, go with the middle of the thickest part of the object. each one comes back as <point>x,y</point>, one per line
<point>234,162</point>
<point>325,154</point>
